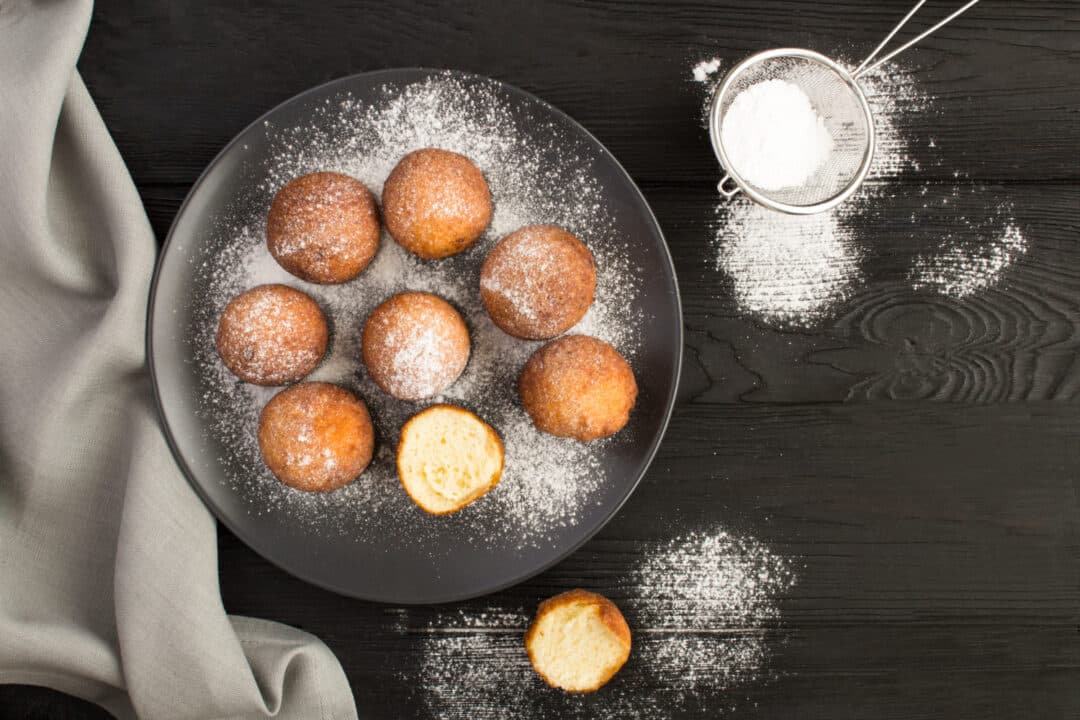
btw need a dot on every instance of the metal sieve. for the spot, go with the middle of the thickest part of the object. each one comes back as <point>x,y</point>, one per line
<point>838,99</point>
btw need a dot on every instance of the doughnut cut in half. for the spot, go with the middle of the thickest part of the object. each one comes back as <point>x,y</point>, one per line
<point>578,641</point>
<point>448,458</point>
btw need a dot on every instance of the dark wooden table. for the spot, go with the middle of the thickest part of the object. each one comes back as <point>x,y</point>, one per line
<point>921,466</point>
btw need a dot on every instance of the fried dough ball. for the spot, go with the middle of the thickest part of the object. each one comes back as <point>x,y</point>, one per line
<point>448,458</point>
<point>323,227</point>
<point>578,387</point>
<point>436,203</point>
<point>578,641</point>
<point>415,345</point>
<point>316,436</point>
<point>538,282</point>
<point>272,335</point>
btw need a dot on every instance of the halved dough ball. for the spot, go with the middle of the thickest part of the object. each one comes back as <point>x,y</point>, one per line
<point>316,436</point>
<point>272,335</point>
<point>538,282</point>
<point>578,387</point>
<point>323,227</point>
<point>578,641</point>
<point>448,458</point>
<point>436,203</point>
<point>415,345</point>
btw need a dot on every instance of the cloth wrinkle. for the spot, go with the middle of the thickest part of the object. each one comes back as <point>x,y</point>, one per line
<point>109,558</point>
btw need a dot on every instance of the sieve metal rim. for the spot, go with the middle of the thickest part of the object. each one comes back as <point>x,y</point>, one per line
<point>742,185</point>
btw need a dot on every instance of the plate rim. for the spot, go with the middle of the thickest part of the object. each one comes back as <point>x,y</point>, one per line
<point>301,573</point>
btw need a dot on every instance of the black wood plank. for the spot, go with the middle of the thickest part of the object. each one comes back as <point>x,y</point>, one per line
<point>1016,340</point>
<point>29,702</point>
<point>175,81</point>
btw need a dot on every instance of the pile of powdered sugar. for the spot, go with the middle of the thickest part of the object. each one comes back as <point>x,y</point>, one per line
<point>702,610</point>
<point>705,70</point>
<point>774,137</point>
<point>796,271</point>
<point>547,480</point>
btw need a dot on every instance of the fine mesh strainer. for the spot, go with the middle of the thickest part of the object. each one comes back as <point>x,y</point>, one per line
<point>837,98</point>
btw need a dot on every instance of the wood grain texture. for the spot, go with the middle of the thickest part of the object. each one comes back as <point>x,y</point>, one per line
<point>1015,341</point>
<point>915,455</point>
<point>1003,75</point>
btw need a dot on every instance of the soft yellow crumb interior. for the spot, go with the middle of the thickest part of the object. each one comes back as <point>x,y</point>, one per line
<point>574,649</point>
<point>448,458</point>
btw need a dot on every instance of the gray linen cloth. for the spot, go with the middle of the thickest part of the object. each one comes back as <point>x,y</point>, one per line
<point>108,561</point>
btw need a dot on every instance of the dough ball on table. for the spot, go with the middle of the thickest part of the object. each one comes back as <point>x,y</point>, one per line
<point>272,335</point>
<point>538,282</point>
<point>323,227</point>
<point>448,458</point>
<point>578,641</point>
<point>436,203</point>
<point>316,436</point>
<point>578,387</point>
<point>415,345</point>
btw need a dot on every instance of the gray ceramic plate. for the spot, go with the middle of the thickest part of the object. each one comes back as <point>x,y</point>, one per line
<point>416,559</point>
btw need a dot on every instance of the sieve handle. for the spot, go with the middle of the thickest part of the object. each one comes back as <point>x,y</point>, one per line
<point>866,67</point>
<point>728,192</point>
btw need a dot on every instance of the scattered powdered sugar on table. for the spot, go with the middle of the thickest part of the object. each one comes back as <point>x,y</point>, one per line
<point>971,260</point>
<point>705,70</point>
<point>547,480</point>
<point>702,609</point>
<point>785,268</point>
<point>896,98</point>
<point>795,271</point>
<point>708,581</point>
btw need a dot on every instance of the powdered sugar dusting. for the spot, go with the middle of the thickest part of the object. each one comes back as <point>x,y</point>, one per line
<point>895,97</point>
<point>796,271</point>
<point>785,268</point>
<point>972,261</point>
<point>547,480</point>
<point>699,580</point>
<point>510,279</point>
<point>702,609</point>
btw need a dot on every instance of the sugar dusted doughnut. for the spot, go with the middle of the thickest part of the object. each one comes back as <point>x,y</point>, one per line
<point>415,345</point>
<point>271,335</point>
<point>323,227</point>
<point>578,641</point>
<point>316,436</point>
<point>578,387</point>
<point>436,203</point>
<point>538,282</point>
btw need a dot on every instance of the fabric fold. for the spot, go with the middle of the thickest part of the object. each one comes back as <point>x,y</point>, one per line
<point>108,559</point>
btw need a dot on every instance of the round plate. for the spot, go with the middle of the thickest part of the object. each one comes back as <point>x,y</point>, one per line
<point>423,559</point>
